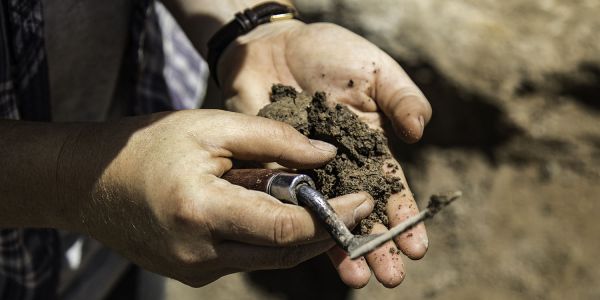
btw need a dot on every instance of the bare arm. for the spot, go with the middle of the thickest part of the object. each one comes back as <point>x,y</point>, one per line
<point>149,188</point>
<point>29,153</point>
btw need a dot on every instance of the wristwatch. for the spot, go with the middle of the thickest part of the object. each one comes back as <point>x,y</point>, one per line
<point>243,23</point>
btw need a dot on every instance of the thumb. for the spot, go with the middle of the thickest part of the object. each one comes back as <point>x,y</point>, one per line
<point>256,218</point>
<point>263,140</point>
<point>402,101</point>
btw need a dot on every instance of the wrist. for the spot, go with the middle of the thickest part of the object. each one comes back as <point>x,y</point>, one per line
<point>88,169</point>
<point>245,22</point>
<point>201,19</point>
<point>264,44</point>
<point>77,168</point>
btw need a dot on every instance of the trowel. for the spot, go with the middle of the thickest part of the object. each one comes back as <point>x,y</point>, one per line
<point>299,189</point>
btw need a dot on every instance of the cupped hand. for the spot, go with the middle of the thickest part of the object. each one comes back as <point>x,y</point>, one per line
<point>351,70</point>
<point>160,200</point>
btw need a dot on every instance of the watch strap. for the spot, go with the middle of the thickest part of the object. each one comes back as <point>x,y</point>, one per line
<point>244,22</point>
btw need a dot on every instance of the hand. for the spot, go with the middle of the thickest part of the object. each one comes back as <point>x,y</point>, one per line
<point>326,57</point>
<point>157,197</point>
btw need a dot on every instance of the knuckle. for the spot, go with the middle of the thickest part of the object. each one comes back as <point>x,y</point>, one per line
<point>284,131</point>
<point>284,228</point>
<point>185,258</point>
<point>409,92</point>
<point>186,209</point>
<point>406,99</point>
<point>184,216</point>
<point>194,257</point>
<point>179,206</point>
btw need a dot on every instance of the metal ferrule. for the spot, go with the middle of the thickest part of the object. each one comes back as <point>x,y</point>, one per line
<point>283,186</point>
<point>300,189</point>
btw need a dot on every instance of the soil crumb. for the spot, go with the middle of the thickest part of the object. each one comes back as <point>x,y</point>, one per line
<point>362,151</point>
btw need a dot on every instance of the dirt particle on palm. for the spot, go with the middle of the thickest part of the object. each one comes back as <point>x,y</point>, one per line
<point>362,151</point>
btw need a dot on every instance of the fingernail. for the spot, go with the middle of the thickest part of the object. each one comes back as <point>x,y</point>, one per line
<point>422,122</point>
<point>323,146</point>
<point>425,241</point>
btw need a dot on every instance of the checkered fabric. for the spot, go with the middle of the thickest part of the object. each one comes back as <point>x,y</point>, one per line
<point>185,72</point>
<point>30,258</point>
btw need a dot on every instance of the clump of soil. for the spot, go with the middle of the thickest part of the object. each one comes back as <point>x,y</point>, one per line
<point>361,155</point>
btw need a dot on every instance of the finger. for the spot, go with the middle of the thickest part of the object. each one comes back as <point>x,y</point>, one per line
<point>414,242</point>
<point>401,101</point>
<point>354,273</point>
<point>260,139</point>
<point>386,261</point>
<point>401,206</point>
<point>256,218</point>
<point>380,80</point>
<point>246,257</point>
<point>352,208</point>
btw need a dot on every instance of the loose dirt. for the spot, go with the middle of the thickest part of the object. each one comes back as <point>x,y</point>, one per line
<point>362,151</point>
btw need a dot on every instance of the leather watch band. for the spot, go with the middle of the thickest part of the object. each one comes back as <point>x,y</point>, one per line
<point>243,23</point>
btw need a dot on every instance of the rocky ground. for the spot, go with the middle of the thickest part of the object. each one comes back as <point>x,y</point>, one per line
<point>515,88</point>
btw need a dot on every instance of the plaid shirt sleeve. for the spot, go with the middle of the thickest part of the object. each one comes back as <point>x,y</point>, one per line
<point>30,258</point>
<point>170,73</point>
<point>29,263</point>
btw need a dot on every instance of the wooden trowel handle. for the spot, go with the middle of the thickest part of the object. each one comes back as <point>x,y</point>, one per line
<point>252,179</point>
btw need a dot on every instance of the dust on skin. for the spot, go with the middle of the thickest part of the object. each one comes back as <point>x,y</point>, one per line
<point>362,151</point>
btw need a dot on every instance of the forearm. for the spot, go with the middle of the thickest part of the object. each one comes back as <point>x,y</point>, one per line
<point>52,174</point>
<point>29,152</point>
<point>200,19</point>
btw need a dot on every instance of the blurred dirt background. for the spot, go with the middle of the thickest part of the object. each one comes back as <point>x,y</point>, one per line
<point>515,89</point>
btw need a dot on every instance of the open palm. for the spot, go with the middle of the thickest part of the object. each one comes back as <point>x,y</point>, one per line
<point>351,70</point>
